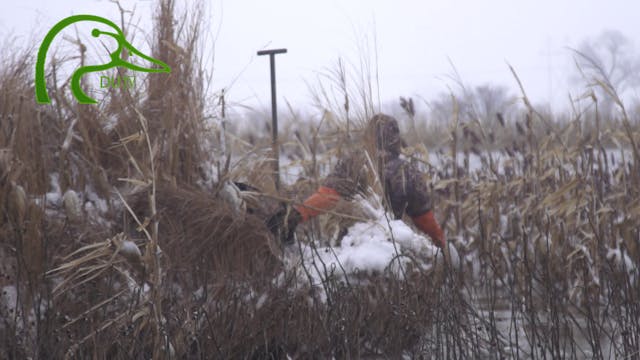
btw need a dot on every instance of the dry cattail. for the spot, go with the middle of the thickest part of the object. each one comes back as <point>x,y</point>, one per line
<point>6,158</point>
<point>407,106</point>
<point>18,203</point>
<point>127,248</point>
<point>500,119</point>
<point>465,132</point>
<point>474,137</point>
<point>130,251</point>
<point>71,203</point>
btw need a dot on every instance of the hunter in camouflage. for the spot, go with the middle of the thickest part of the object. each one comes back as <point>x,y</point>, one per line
<point>404,187</point>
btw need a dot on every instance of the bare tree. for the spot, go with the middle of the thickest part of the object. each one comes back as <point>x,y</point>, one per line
<point>610,55</point>
<point>606,62</point>
<point>490,100</point>
<point>481,103</point>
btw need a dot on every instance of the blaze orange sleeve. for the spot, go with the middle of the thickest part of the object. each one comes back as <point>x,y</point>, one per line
<point>428,224</point>
<point>324,199</point>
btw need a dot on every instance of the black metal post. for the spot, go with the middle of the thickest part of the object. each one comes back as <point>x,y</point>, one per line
<point>274,113</point>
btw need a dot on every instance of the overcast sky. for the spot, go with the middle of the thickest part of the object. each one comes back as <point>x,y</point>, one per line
<point>415,42</point>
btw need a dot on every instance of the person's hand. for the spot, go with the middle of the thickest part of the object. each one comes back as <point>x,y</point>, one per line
<point>283,223</point>
<point>441,241</point>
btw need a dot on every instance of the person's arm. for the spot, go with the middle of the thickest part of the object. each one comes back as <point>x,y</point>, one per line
<point>283,223</point>
<point>427,223</point>
<point>323,200</point>
<point>420,207</point>
<point>344,181</point>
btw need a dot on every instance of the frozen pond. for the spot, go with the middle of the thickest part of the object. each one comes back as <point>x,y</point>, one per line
<point>518,339</point>
<point>291,170</point>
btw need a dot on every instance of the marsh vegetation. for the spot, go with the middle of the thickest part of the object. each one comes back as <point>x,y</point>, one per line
<point>135,228</point>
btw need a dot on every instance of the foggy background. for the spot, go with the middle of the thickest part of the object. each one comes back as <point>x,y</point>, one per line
<point>411,49</point>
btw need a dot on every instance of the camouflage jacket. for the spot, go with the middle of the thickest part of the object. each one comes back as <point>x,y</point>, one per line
<point>404,187</point>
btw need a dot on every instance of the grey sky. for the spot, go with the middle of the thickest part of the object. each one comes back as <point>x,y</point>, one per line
<point>415,40</point>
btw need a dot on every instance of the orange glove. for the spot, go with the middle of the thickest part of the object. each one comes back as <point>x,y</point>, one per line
<point>324,199</point>
<point>428,224</point>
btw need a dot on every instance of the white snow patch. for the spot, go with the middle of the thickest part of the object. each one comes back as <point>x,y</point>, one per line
<point>375,246</point>
<point>9,299</point>
<point>54,197</point>
<point>231,194</point>
<point>99,203</point>
<point>261,301</point>
<point>622,262</point>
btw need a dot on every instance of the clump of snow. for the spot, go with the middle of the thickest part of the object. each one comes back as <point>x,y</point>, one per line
<point>13,313</point>
<point>210,173</point>
<point>134,287</point>
<point>261,301</point>
<point>109,123</point>
<point>622,262</point>
<point>75,204</point>
<point>99,203</point>
<point>97,208</point>
<point>9,299</point>
<point>231,194</point>
<point>54,196</point>
<point>378,246</point>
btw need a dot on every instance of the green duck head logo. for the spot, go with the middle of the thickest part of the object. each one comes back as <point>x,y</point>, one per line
<point>42,97</point>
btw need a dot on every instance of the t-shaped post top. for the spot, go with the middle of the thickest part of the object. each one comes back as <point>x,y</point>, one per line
<point>272,52</point>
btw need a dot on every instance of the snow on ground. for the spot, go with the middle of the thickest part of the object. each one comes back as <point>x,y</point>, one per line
<point>622,262</point>
<point>8,299</point>
<point>13,313</point>
<point>76,204</point>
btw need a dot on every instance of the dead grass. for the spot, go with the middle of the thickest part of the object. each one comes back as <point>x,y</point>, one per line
<point>537,221</point>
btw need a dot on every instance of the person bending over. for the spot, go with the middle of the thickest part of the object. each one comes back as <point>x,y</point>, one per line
<point>404,188</point>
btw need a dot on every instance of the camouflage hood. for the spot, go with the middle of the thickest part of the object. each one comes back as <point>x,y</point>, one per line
<point>385,132</point>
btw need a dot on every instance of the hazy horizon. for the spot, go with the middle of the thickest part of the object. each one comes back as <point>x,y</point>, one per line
<point>413,49</point>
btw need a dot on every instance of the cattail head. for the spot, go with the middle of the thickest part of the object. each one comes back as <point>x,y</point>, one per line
<point>18,203</point>
<point>519,128</point>
<point>407,106</point>
<point>127,248</point>
<point>500,119</point>
<point>71,203</point>
<point>6,161</point>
